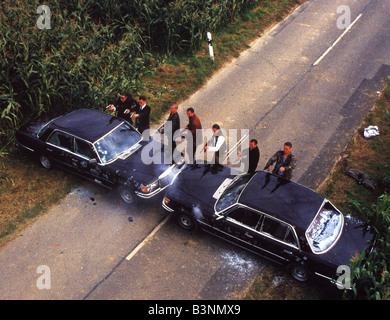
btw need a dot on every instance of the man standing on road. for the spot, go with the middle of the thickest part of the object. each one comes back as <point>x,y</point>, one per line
<point>254,156</point>
<point>142,117</point>
<point>174,119</point>
<point>217,145</point>
<point>193,125</point>
<point>284,162</point>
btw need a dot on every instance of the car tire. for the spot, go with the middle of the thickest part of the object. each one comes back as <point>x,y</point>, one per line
<point>186,221</point>
<point>299,272</point>
<point>127,195</point>
<point>45,162</point>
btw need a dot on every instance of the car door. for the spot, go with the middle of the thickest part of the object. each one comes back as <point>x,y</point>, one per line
<point>59,149</point>
<point>278,239</point>
<point>238,225</point>
<point>84,160</point>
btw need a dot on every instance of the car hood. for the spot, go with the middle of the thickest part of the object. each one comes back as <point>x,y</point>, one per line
<point>145,164</point>
<point>196,186</point>
<point>355,238</point>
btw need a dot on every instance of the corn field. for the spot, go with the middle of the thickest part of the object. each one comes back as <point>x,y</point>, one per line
<point>93,50</point>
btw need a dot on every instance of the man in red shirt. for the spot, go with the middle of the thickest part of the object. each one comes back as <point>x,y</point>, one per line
<point>193,125</point>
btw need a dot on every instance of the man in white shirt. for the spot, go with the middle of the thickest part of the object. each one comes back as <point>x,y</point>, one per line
<point>218,145</point>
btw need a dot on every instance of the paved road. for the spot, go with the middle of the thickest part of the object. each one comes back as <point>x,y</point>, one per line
<point>274,90</point>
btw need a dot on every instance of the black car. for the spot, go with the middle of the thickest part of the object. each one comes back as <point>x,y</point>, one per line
<point>268,215</point>
<point>102,148</point>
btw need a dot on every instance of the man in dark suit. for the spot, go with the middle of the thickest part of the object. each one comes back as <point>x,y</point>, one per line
<point>124,106</point>
<point>142,117</point>
<point>254,155</point>
<point>174,120</point>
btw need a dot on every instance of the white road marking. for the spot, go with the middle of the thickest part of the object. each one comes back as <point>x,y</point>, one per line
<point>137,248</point>
<point>338,39</point>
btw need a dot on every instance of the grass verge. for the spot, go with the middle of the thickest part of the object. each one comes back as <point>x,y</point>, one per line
<point>372,156</point>
<point>26,192</point>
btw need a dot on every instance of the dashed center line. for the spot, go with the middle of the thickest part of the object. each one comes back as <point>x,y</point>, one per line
<point>338,39</point>
<point>137,248</point>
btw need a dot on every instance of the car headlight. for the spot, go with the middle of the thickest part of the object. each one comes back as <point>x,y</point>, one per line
<point>150,187</point>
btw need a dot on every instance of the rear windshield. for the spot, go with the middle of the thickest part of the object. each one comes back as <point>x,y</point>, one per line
<point>325,229</point>
<point>44,128</point>
<point>231,194</point>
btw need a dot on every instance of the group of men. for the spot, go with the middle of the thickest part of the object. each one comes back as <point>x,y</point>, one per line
<point>127,108</point>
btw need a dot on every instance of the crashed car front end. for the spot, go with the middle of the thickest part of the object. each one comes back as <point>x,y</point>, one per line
<point>162,182</point>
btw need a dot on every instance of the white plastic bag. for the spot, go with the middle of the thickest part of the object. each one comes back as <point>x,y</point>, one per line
<point>371,131</point>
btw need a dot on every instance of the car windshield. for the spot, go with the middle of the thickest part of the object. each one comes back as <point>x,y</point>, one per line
<point>325,229</point>
<point>119,140</point>
<point>231,194</point>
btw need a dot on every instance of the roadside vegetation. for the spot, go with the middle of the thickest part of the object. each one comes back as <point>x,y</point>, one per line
<point>370,277</point>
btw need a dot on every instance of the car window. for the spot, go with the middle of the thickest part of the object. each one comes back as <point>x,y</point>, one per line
<point>232,193</point>
<point>245,216</point>
<point>84,148</point>
<point>278,230</point>
<point>290,237</point>
<point>61,139</point>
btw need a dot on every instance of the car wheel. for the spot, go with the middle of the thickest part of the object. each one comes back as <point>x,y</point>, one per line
<point>127,195</point>
<point>45,162</point>
<point>186,221</point>
<point>299,272</point>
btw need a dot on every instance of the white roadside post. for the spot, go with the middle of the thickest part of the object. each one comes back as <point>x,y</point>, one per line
<point>210,41</point>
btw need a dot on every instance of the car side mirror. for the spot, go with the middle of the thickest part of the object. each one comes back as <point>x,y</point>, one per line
<point>92,161</point>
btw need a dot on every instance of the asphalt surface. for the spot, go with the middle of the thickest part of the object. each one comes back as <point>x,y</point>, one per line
<point>97,247</point>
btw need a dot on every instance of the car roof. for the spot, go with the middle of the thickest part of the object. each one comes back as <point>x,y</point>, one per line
<point>89,124</point>
<point>282,198</point>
